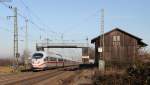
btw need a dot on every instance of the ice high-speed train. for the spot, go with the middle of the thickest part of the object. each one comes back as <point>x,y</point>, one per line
<point>41,61</point>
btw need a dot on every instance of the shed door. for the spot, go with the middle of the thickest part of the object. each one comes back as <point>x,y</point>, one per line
<point>116,49</point>
<point>116,53</point>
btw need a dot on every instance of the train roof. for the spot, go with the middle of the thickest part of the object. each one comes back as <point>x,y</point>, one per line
<point>49,54</point>
<point>39,52</point>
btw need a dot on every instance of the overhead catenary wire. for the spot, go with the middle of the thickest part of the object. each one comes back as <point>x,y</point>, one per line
<point>42,28</point>
<point>6,29</point>
<point>84,20</point>
<point>38,26</point>
<point>30,21</point>
<point>34,24</point>
<point>11,32</point>
<point>36,16</point>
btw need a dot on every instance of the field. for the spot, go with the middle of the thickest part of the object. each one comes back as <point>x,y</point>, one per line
<point>5,69</point>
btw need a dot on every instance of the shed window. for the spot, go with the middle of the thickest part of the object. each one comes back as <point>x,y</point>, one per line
<point>116,40</point>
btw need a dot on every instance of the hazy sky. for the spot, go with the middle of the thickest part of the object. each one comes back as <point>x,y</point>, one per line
<point>75,19</point>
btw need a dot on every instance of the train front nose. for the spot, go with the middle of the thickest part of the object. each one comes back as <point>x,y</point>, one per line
<point>37,64</point>
<point>37,60</point>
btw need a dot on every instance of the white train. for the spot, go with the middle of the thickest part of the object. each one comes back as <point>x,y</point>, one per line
<point>41,61</point>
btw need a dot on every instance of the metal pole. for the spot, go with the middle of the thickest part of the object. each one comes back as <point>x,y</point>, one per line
<point>88,54</point>
<point>87,40</point>
<point>102,33</point>
<point>16,54</point>
<point>26,34</point>
<point>101,62</point>
<point>47,42</point>
<point>14,61</point>
<point>26,44</point>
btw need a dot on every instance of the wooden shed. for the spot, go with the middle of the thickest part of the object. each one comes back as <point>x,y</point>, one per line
<point>120,47</point>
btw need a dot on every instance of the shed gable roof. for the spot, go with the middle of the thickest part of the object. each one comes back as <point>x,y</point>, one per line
<point>117,29</point>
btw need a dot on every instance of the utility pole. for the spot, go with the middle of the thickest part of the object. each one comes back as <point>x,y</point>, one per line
<point>26,21</point>
<point>16,54</point>
<point>15,46</point>
<point>47,42</point>
<point>15,50</point>
<point>87,40</point>
<point>88,47</point>
<point>62,38</point>
<point>102,33</point>
<point>26,44</point>
<point>101,63</point>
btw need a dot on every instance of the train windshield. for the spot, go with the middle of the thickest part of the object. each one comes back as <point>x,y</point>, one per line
<point>37,56</point>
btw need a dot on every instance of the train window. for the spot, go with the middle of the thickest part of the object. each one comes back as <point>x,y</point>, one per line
<point>60,59</point>
<point>37,56</point>
<point>65,60</point>
<point>52,59</point>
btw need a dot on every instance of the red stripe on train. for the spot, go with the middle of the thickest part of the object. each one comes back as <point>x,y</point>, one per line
<point>50,62</point>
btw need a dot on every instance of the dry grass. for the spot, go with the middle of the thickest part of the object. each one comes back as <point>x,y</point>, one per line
<point>5,69</point>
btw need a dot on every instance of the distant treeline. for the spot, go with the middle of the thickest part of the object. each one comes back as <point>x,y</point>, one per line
<point>5,62</point>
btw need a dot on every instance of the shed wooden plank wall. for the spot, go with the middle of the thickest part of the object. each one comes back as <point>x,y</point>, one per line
<point>125,52</point>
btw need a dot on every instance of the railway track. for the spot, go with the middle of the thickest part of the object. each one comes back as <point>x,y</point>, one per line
<point>35,79</point>
<point>30,77</point>
<point>5,78</point>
